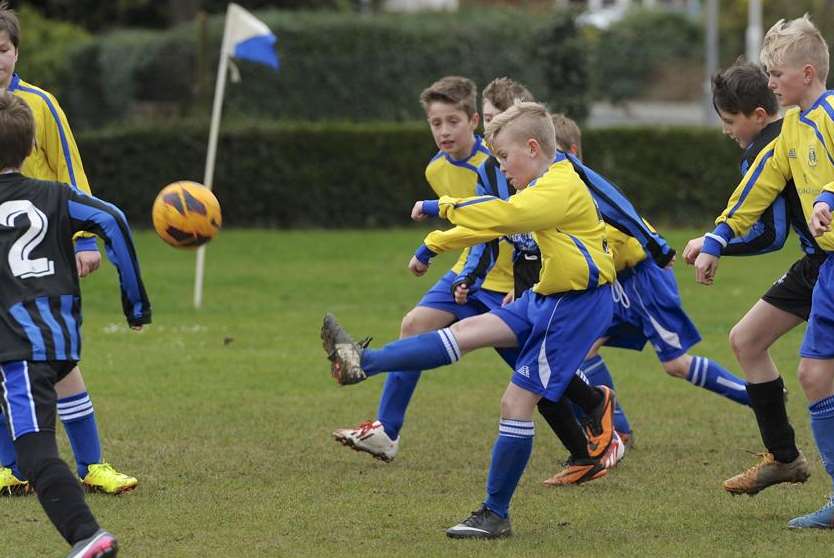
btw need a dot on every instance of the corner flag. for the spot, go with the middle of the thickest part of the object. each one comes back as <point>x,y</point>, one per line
<point>245,37</point>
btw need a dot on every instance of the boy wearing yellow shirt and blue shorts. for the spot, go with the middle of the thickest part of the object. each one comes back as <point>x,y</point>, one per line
<point>552,325</point>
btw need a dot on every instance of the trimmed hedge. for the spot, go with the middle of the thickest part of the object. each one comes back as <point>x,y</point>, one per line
<point>335,66</point>
<point>369,175</point>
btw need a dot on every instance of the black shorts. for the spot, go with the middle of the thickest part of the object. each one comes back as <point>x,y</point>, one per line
<point>27,394</point>
<point>792,291</point>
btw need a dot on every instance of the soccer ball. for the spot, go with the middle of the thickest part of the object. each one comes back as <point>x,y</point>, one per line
<point>186,214</point>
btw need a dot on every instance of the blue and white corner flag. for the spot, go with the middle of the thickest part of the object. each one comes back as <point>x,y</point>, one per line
<point>248,38</point>
<point>245,37</point>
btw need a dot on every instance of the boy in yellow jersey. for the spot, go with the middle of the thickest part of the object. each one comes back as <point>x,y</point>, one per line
<point>554,324</point>
<point>55,157</point>
<point>797,62</point>
<point>451,111</point>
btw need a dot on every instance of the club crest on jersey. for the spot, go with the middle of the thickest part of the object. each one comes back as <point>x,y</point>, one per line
<point>812,156</point>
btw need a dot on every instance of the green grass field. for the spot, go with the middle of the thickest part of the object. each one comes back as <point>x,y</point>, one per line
<point>225,415</point>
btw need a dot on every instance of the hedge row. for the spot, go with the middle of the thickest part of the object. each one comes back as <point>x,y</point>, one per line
<point>369,175</point>
<point>334,66</point>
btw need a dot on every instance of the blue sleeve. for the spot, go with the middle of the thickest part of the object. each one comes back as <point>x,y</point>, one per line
<point>107,221</point>
<point>825,197</point>
<point>85,244</point>
<point>618,211</point>
<point>768,234</point>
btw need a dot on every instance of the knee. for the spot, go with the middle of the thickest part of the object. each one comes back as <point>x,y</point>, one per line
<point>808,377</point>
<point>742,343</point>
<point>35,454</point>
<point>678,368</point>
<point>411,325</point>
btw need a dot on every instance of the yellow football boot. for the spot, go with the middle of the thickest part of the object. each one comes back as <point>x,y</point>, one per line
<point>102,477</point>
<point>10,485</point>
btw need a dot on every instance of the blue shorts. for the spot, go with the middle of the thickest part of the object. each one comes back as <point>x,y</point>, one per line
<point>27,394</point>
<point>818,342</point>
<point>554,334</point>
<point>648,308</point>
<point>480,302</point>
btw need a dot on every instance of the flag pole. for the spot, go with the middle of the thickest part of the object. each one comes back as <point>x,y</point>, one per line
<point>208,177</point>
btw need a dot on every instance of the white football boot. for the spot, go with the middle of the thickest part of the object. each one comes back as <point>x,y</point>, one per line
<point>615,452</point>
<point>369,437</point>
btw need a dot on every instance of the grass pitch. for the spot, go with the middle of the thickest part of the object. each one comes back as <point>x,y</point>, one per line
<point>225,414</point>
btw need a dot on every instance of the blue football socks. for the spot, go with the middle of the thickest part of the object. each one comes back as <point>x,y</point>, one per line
<point>79,419</point>
<point>510,455</point>
<point>709,375</point>
<point>413,354</point>
<point>596,373</point>
<point>399,386</point>
<point>822,425</point>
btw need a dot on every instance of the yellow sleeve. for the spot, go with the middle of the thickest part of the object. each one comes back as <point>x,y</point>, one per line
<point>532,209</point>
<point>61,150</point>
<point>457,238</point>
<point>763,182</point>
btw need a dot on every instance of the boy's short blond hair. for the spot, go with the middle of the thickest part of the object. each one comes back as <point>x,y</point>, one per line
<point>452,90</point>
<point>567,133</point>
<point>503,93</point>
<point>796,42</point>
<point>523,121</point>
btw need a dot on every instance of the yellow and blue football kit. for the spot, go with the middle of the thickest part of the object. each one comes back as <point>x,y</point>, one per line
<point>803,152</point>
<point>558,320</point>
<point>55,155</point>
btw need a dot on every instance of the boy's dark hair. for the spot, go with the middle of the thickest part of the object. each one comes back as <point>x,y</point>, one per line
<point>17,131</point>
<point>741,89</point>
<point>453,90</point>
<point>503,93</point>
<point>9,23</point>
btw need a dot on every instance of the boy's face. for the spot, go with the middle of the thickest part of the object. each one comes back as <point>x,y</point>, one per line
<point>517,158</point>
<point>452,129</point>
<point>8,59</point>
<point>788,83</point>
<point>742,128</point>
<point>490,112</point>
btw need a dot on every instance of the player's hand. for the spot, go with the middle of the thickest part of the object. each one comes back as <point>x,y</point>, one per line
<point>508,298</point>
<point>820,219</point>
<point>87,262</point>
<point>693,248</point>
<point>417,267</point>
<point>417,212</point>
<point>671,263</point>
<point>706,266</point>
<point>462,293</point>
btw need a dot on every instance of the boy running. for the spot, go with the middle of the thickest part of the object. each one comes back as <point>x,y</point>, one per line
<point>797,61</point>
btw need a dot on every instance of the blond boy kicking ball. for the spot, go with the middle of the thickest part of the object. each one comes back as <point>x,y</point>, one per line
<point>553,325</point>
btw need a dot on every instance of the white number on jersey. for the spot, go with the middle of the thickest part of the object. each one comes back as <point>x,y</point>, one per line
<point>19,260</point>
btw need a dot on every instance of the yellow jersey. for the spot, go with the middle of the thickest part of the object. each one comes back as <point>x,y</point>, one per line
<point>803,152</point>
<point>560,212</point>
<point>458,179</point>
<point>55,155</point>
